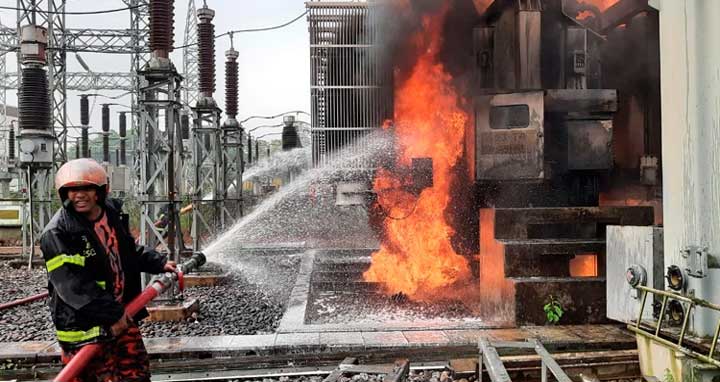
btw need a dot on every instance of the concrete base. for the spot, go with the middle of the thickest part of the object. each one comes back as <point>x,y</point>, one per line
<point>204,279</point>
<point>173,312</point>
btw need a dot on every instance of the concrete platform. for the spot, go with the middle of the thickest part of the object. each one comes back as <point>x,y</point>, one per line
<point>431,343</point>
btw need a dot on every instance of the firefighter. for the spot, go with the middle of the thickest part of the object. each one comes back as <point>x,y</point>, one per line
<point>94,268</point>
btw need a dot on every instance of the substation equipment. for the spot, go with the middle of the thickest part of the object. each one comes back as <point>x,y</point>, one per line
<point>551,148</point>
<point>161,103</point>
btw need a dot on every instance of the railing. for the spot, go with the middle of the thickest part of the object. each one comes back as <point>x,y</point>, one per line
<point>689,303</point>
<point>490,360</point>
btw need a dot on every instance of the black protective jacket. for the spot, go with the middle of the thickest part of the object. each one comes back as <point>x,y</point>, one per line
<point>80,280</point>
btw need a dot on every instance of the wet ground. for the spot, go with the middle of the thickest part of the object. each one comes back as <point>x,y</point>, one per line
<point>240,304</point>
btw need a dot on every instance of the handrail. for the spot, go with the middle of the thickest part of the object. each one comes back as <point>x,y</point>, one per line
<point>690,302</point>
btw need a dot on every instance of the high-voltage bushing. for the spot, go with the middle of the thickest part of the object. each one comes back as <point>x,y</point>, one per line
<point>122,131</point>
<point>290,138</point>
<point>84,110</point>
<point>85,141</point>
<point>106,132</point>
<point>11,146</point>
<point>162,27</point>
<point>232,139</point>
<point>231,84</point>
<point>185,126</point>
<point>206,55</point>
<point>35,133</point>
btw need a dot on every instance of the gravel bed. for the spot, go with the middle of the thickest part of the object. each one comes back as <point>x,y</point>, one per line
<point>242,304</point>
<point>29,322</point>
<point>239,305</point>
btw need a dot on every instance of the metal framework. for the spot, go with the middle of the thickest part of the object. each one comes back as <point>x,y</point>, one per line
<point>350,91</point>
<point>232,169</point>
<point>208,206</point>
<point>83,81</point>
<point>190,58</point>
<point>38,181</point>
<point>657,334</point>
<point>159,139</point>
<point>85,40</point>
<point>493,365</point>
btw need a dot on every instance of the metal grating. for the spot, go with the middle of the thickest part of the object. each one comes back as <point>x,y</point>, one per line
<point>350,90</point>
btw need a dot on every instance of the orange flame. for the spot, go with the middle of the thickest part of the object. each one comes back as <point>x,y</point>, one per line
<point>482,5</point>
<point>602,5</point>
<point>416,256</point>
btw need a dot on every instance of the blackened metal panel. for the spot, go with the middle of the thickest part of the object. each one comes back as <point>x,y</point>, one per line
<point>505,50</point>
<point>509,136</point>
<point>576,60</point>
<point>483,43</point>
<point>528,43</point>
<point>589,144</point>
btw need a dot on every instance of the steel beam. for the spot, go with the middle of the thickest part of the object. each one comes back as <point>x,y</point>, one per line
<point>113,41</point>
<point>82,81</point>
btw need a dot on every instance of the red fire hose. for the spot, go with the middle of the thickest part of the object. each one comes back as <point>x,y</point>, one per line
<point>158,285</point>
<point>22,301</point>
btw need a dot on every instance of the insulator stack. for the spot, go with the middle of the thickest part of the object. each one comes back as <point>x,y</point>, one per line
<point>85,142</point>
<point>106,132</point>
<point>84,110</point>
<point>11,145</point>
<point>78,154</point>
<point>249,146</point>
<point>185,126</point>
<point>231,84</point>
<point>122,129</point>
<point>34,100</point>
<point>290,139</point>
<point>206,51</point>
<point>162,27</point>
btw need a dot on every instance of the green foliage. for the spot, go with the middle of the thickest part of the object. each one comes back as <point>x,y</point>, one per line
<point>668,377</point>
<point>553,310</point>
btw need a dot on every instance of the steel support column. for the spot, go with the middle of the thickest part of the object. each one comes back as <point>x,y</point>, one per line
<point>208,206</point>
<point>159,139</point>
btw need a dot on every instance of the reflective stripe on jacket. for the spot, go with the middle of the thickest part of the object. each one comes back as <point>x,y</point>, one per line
<point>80,280</point>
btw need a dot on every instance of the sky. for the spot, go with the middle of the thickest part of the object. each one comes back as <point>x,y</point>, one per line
<point>273,65</point>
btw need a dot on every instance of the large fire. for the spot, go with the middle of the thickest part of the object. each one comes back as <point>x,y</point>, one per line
<point>602,5</point>
<point>416,256</point>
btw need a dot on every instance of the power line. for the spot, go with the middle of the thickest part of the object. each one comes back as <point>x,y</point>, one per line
<point>74,13</point>
<point>274,116</point>
<point>229,33</point>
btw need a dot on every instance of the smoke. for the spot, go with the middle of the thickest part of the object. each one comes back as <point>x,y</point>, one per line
<point>399,20</point>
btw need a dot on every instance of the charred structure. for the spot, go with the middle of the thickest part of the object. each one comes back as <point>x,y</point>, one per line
<point>542,108</point>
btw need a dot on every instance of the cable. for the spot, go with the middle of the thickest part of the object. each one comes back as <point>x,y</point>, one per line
<point>249,30</point>
<point>273,116</point>
<point>75,13</point>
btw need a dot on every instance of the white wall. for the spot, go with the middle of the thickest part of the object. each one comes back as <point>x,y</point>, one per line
<point>690,86</point>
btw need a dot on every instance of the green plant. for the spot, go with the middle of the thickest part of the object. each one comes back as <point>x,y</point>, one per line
<point>668,377</point>
<point>553,310</point>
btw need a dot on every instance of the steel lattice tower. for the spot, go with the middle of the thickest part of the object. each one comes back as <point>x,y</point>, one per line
<point>208,205</point>
<point>160,106</point>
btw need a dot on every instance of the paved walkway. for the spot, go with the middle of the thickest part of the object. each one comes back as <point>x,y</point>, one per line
<point>581,337</point>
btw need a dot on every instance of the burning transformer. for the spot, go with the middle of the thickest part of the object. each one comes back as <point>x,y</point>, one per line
<point>543,122</point>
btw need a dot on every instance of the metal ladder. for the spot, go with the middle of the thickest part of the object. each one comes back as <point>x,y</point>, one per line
<point>491,362</point>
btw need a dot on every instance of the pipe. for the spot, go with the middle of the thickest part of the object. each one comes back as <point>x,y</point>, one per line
<point>158,285</point>
<point>23,301</point>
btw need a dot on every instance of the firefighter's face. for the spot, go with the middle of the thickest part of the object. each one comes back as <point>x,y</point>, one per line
<point>83,199</point>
